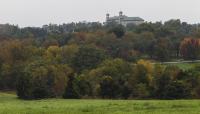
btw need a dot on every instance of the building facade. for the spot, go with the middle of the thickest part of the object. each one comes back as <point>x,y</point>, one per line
<point>124,20</point>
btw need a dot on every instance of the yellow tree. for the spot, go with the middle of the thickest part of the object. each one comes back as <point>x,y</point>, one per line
<point>53,54</point>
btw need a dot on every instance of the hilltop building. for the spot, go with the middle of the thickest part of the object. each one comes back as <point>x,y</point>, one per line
<point>124,20</point>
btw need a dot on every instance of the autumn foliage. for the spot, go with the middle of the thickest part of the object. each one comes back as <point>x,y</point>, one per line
<point>190,48</point>
<point>92,60</point>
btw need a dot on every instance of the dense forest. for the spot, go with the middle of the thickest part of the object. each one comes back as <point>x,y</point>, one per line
<point>92,60</point>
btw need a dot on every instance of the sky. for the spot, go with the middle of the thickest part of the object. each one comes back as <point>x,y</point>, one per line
<point>40,12</point>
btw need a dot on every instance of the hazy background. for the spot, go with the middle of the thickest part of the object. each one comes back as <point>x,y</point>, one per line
<point>39,12</point>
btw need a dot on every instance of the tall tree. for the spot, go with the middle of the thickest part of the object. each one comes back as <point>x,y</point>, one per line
<point>190,48</point>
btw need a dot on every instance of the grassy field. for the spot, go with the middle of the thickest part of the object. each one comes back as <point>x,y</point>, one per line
<point>9,104</point>
<point>184,66</point>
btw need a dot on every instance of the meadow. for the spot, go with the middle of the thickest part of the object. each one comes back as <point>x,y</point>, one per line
<point>184,66</point>
<point>9,104</point>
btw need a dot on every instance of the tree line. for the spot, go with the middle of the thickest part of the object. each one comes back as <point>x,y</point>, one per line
<point>91,60</point>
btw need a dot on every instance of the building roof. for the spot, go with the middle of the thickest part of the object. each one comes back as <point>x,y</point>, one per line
<point>126,18</point>
<point>134,19</point>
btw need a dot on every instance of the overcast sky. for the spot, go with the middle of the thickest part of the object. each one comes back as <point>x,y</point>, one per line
<point>39,12</point>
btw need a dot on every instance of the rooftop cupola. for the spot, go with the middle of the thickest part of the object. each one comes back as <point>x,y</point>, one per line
<point>107,16</point>
<point>120,13</point>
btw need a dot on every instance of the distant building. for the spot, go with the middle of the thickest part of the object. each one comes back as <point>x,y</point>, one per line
<point>124,20</point>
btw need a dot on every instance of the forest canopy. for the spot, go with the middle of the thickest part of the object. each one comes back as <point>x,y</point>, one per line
<point>92,60</point>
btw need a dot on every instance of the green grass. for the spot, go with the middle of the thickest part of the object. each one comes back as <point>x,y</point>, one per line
<point>9,104</point>
<point>185,66</point>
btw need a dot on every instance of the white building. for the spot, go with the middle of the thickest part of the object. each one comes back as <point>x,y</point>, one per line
<point>124,20</point>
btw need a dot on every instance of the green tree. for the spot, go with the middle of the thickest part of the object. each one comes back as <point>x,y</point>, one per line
<point>145,43</point>
<point>71,91</point>
<point>162,50</point>
<point>118,70</point>
<point>177,90</point>
<point>68,52</point>
<point>24,87</point>
<point>118,30</point>
<point>169,86</point>
<point>107,87</point>
<point>87,57</point>
<point>46,80</point>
